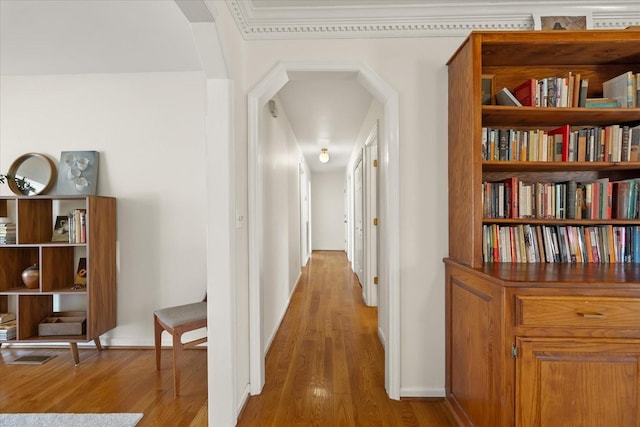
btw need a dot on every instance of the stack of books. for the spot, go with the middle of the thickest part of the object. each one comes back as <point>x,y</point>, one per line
<point>7,326</point>
<point>7,231</point>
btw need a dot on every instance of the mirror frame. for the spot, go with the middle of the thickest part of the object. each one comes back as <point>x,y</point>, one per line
<point>16,165</point>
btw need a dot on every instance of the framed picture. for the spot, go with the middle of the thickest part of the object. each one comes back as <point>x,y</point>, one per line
<point>488,89</point>
<point>562,21</point>
<point>61,230</point>
<point>81,272</point>
<point>78,173</point>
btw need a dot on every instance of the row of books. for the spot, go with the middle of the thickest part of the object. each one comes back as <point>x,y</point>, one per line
<point>526,243</point>
<point>571,90</point>
<point>612,143</point>
<point>598,199</point>
<point>565,91</point>
<point>71,228</point>
<point>7,234</point>
<point>7,326</point>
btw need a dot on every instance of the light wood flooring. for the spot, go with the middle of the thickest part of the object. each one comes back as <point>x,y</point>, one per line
<point>325,368</point>
<point>113,380</point>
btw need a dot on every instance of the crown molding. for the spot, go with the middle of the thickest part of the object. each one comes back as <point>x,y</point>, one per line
<point>429,19</point>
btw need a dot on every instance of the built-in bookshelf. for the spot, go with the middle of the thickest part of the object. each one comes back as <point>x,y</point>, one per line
<point>543,272</point>
<point>73,298</point>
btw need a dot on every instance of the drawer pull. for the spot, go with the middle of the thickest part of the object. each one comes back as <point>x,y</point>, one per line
<point>591,315</point>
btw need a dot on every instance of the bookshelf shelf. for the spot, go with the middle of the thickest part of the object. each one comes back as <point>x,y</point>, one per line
<point>58,263</point>
<point>510,166</point>
<point>513,327</point>
<point>498,115</point>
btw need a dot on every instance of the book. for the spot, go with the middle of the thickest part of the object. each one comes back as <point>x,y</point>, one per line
<point>602,103</point>
<point>505,97</point>
<point>526,93</point>
<point>6,317</point>
<point>561,143</point>
<point>582,96</point>
<point>634,143</point>
<point>575,91</point>
<point>7,330</point>
<point>620,88</point>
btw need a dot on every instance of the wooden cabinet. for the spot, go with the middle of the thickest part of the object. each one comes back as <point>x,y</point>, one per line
<point>56,292</point>
<point>536,343</point>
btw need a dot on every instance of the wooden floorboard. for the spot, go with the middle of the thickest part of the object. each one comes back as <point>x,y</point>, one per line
<point>113,380</point>
<point>325,366</point>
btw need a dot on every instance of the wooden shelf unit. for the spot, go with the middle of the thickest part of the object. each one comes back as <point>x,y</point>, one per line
<point>535,344</point>
<point>34,217</point>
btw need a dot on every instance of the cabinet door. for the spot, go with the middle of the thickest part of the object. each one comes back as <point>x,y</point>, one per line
<point>578,382</point>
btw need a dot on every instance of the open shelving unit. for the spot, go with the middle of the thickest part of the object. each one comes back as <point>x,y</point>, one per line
<point>34,217</point>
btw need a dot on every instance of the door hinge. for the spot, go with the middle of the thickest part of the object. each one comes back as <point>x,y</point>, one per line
<point>514,351</point>
<point>375,221</point>
<point>375,280</point>
<point>375,163</point>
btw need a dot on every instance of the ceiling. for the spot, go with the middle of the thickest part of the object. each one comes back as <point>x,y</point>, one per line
<point>42,37</point>
<point>325,110</point>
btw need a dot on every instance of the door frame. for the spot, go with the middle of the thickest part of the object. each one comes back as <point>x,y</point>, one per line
<point>370,288</point>
<point>388,232</point>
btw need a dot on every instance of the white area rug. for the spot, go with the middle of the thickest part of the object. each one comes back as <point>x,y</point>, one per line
<point>69,420</point>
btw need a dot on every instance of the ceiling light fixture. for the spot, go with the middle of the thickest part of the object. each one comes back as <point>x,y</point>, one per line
<point>324,155</point>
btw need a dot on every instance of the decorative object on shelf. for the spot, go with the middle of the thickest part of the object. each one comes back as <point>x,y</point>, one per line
<point>563,21</point>
<point>61,230</point>
<point>31,276</point>
<point>78,173</point>
<point>30,174</point>
<point>488,88</point>
<point>324,155</point>
<point>81,272</point>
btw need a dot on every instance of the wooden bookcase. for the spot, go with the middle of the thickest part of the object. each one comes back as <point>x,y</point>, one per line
<point>34,217</point>
<point>536,344</point>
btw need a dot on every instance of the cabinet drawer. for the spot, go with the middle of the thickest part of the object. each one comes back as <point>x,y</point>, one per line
<point>569,311</point>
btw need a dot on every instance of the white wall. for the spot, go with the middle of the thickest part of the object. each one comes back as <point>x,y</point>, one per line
<point>416,69</point>
<point>280,254</point>
<point>327,211</point>
<point>149,130</point>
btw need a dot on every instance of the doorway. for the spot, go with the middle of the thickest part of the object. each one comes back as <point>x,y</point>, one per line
<point>388,190</point>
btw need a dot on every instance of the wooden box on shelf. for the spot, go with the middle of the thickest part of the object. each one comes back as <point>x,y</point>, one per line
<point>63,323</point>
<point>510,360</point>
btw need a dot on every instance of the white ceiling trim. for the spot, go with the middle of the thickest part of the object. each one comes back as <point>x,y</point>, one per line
<point>416,20</point>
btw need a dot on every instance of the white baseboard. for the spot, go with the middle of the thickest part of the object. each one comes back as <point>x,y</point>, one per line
<point>281,317</point>
<point>244,396</point>
<point>382,339</point>
<point>422,392</point>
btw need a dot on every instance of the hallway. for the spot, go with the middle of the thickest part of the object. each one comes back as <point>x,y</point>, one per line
<point>325,366</point>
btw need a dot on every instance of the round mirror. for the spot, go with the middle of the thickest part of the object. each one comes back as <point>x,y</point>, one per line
<point>35,170</point>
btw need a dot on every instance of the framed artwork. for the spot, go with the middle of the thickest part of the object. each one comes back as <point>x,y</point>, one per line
<point>488,89</point>
<point>61,230</point>
<point>81,272</point>
<point>561,21</point>
<point>78,173</point>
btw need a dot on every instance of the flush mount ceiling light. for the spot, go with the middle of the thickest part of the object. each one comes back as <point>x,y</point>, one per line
<point>324,155</point>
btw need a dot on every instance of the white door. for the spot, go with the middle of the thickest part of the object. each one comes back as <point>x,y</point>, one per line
<point>358,222</point>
